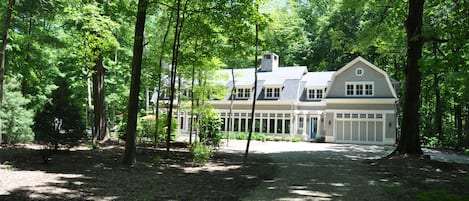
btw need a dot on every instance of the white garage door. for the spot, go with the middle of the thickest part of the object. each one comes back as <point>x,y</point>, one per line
<point>362,128</point>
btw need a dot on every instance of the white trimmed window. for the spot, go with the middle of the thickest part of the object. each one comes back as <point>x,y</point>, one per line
<point>315,93</point>
<point>359,88</point>
<point>243,93</point>
<point>272,92</point>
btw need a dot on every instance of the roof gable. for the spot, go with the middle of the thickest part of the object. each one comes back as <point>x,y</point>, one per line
<point>368,65</point>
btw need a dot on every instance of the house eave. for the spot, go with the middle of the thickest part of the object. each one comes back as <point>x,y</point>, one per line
<point>361,100</point>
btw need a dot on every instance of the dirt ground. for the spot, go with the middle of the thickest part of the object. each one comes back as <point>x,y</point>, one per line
<point>85,174</point>
<point>276,171</point>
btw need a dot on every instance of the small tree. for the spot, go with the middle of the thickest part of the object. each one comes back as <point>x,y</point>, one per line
<point>16,119</point>
<point>63,106</point>
<point>210,124</point>
<point>163,126</point>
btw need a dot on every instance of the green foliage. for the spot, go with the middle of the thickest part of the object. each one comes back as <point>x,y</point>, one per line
<point>296,139</point>
<point>93,145</point>
<point>320,139</point>
<point>16,119</point>
<point>64,105</point>
<point>210,128</point>
<point>156,160</point>
<point>201,152</point>
<point>163,127</point>
<point>441,195</point>
<point>466,152</point>
<point>147,129</point>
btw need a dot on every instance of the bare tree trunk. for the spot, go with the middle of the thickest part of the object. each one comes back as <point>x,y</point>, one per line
<point>438,109</point>
<point>253,98</point>
<point>192,103</point>
<point>130,146</point>
<point>173,75</point>
<point>6,27</point>
<point>410,136</point>
<point>230,113</point>
<point>100,124</point>
<point>174,64</point>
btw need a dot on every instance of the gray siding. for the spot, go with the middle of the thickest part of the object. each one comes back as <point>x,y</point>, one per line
<point>381,87</point>
<point>329,128</point>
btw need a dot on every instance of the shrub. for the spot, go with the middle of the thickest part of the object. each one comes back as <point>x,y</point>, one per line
<point>320,139</point>
<point>201,153</point>
<point>296,139</point>
<point>466,152</point>
<point>147,129</point>
<point>64,106</point>
<point>157,160</point>
<point>16,119</point>
<point>210,128</point>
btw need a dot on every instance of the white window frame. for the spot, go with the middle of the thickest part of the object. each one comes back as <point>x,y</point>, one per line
<point>243,93</point>
<point>359,71</point>
<point>272,92</point>
<point>360,89</point>
<point>315,93</point>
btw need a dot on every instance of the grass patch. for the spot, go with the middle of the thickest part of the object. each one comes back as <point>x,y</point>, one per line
<point>440,195</point>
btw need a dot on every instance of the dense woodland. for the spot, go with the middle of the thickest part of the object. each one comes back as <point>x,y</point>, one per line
<point>78,60</point>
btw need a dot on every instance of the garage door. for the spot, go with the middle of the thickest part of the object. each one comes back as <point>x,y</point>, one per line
<point>362,128</point>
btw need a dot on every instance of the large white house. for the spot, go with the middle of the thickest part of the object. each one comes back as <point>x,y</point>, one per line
<point>356,104</point>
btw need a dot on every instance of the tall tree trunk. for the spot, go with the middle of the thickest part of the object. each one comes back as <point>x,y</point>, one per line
<point>174,65</point>
<point>230,113</point>
<point>130,146</point>
<point>466,127</point>
<point>458,121</point>
<point>173,76</point>
<point>100,124</point>
<point>253,109</point>
<point>157,110</point>
<point>438,108</point>
<point>410,136</point>
<point>6,27</point>
<point>192,102</point>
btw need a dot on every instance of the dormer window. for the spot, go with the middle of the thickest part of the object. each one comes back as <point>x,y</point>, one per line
<point>315,93</point>
<point>272,92</point>
<point>243,93</point>
<point>359,89</point>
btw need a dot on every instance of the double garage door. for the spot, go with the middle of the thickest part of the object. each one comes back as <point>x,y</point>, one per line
<point>362,128</point>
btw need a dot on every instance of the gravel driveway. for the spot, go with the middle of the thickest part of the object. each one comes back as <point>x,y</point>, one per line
<point>320,171</point>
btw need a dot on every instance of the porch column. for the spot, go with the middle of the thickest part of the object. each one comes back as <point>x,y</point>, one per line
<point>304,126</point>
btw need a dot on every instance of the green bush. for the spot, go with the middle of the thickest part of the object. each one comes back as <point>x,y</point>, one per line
<point>16,119</point>
<point>466,152</point>
<point>320,139</point>
<point>147,129</point>
<point>296,139</point>
<point>210,128</point>
<point>64,105</point>
<point>201,153</point>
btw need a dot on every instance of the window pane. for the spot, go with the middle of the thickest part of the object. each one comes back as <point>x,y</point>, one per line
<point>247,93</point>
<point>349,89</point>
<point>279,125</point>
<point>369,89</point>
<point>243,125</point>
<point>264,125</point>
<point>236,125</point>
<point>257,125</point>
<point>272,126</point>
<point>277,92</point>
<point>359,89</point>
<point>269,92</point>
<point>287,126</point>
<point>319,93</point>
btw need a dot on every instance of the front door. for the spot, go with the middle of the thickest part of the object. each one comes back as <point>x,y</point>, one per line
<point>313,127</point>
